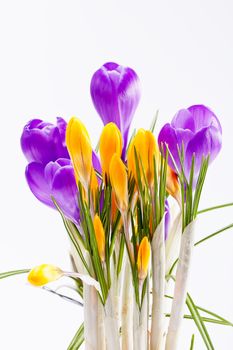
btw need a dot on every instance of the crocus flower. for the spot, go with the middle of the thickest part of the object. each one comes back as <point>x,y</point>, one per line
<point>100,236</point>
<point>115,93</point>
<point>146,148</point>
<point>143,258</point>
<point>198,131</point>
<point>79,146</point>
<point>44,142</point>
<point>110,143</point>
<point>43,274</point>
<point>55,179</point>
<point>119,181</point>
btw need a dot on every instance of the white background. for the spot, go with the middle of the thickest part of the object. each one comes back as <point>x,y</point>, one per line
<point>183,53</point>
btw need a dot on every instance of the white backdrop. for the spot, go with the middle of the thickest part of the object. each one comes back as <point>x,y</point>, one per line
<point>183,53</point>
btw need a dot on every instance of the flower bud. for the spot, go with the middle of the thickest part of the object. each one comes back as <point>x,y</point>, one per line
<point>110,143</point>
<point>119,181</point>
<point>143,258</point>
<point>43,274</point>
<point>172,184</point>
<point>145,146</point>
<point>115,93</point>
<point>100,236</point>
<point>79,147</point>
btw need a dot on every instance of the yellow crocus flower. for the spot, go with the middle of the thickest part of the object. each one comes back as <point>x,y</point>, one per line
<point>110,143</point>
<point>146,148</point>
<point>119,181</point>
<point>43,274</point>
<point>80,150</point>
<point>143,258</point>
<point>100,236</point>
<point>172,184</point>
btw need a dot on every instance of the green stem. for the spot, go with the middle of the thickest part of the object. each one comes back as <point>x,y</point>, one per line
<point>214,234</point>
<point>12,273</point>
<point>205,319</point>
<point>215,207</point>
<point>227,323</point>
<point>199,323</point>
<point>78,339</point>
<point>192,342</point>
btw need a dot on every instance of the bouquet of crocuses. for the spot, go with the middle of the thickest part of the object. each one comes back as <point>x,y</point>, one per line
<point>130,209</point>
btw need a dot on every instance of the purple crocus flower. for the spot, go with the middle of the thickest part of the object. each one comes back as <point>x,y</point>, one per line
<point>55,179</point>
<point>199,131</point>
<point>115,92</point>
<point>44,142</point>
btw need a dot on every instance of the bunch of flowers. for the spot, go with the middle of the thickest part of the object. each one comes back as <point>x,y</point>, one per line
<point>130,210</point>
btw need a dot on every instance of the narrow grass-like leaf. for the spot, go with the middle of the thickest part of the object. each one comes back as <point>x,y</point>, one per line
<point>13,273</point>
<point>192,342</point>
<point>213,234</point>
<point>154,121</point>
<point>199,323</point>
<point>220,206</point>
<point>78,339</point>
<point>218,318</point>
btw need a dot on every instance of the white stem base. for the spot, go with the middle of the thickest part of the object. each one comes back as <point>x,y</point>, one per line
<point>157,341</point>
<point>180,292</point>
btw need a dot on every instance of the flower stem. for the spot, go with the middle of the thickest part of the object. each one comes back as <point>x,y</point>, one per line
<point>215,207</point>
<point>127,309</point>
<point>158,277</point>
<point>180,292</point>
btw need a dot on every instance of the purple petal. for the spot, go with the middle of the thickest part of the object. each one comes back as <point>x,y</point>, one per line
<point>168,136</point>
<point>206,142</point>
<point>183,120</point>
<point>42,141</point>
<point>104,95</point>
<point>115,93</point>
<point>37,183</point>
<point>64,190</point>
<point>129,96</point>
<point>203,116</point>
<point>96,162</point>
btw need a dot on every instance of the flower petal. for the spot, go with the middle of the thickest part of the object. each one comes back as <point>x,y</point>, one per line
<point>206,142</point>
<point>64,190</point>
<point>183,120</point>
<point>203,116</point>
<point>42,142</point>
<point>37,183</point>
<point>168,136</point>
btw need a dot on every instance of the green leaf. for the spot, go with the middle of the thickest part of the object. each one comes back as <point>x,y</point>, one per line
<point>201,241</point>
<point>78,339</point>
<point>206,319</point>
<point>214,234</point>
<point>215,207</point>
<point>218,318</point>
<point>13,273</point>
<point>75,237</point>
<point>199,323</point>
<point>192,342</point>
<point>154,121</point>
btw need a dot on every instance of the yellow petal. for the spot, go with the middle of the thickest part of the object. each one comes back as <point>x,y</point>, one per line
<point>172,184</point>
<point>110,143</point>
<point>100,236</point>
<point>119,181</point>
<point>93,182</point>
<point>146,148</point>
<point>143,258</point>
<point>80,150</point>
<point>44,274</point>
